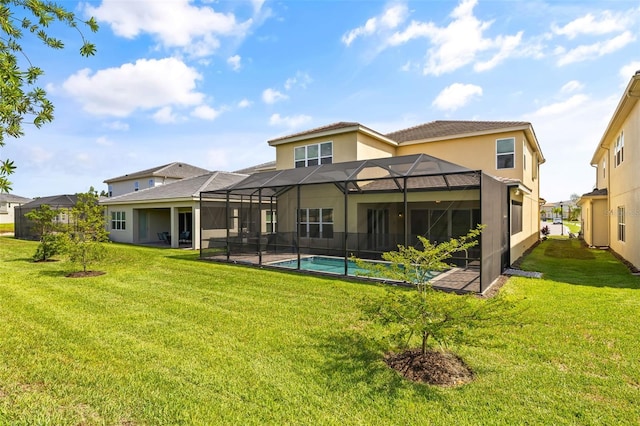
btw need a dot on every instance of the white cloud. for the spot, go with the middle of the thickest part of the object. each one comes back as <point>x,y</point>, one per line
<point>165,115</point>
<point>234,62</point>
<point>175,24</point>
<point>589,24</point>
<point>301,79</point>
<point>271,96</point>
<point>117,125</point>
<point>104,141</point>
<point>245,103</point>
<point>595,50</point>
<point>572,86</point>
<point>217,159</point>
<point>39,155</point>
<point>140,86</point>
<point>456,95</point>
<point>205,112</point>
<point>461,42</point>
<point>390,19</point>
<point>562,107</point>
<point>627,71</point>
<point>291,121</point>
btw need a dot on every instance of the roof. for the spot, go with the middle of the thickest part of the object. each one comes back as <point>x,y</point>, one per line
<point>363,175</point>
<point>174,170</point>
<point>629,99</point>
<point>54,201</point>
<point>597,193</point>
<point>328,130</point>
<point>11,198</point>
<point>269,165</point>
<point>188,188</point>
<point>443,128</point>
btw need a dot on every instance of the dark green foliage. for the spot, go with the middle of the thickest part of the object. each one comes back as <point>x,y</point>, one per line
<point>45,226</point>
<point>19,97</point>
<point>49,246</point>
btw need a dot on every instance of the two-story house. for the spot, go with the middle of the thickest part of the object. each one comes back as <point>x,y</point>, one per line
<point>345,189</point>
<point>8,204</point>
<point>610,212</point>
<point>150,178</point>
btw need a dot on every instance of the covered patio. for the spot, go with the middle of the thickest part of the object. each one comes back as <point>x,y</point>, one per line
<point>314,219</point>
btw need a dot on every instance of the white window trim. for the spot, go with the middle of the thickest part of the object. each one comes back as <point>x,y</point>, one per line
<point>321,223</point>
<point>306,156</point>
<point>513,153</point>
<point>622,227</point>
<point>118,220</point>
<point>619,149</point>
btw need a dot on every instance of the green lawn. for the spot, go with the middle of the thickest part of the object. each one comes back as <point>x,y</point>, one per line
<point>6,227</point>
<point>165,339</point>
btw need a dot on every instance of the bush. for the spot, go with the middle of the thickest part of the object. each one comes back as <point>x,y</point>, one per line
<point>50,245</point>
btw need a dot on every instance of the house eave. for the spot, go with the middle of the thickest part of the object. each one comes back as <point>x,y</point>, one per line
<point>333,132</point>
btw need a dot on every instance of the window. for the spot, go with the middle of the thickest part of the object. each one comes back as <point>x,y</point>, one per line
<point>618,153</point>
<point>524,161</point>
<point>271,221</point>
<point>516,217</point>
<point>110,190</point>
<point>312,155</point>
<point>604,167</point>
<point>118,221</point>
<point>150,183</point>
<point>621,224</point>
<point>505,151</point>
<point>315,223</point>
<point>136,185</point>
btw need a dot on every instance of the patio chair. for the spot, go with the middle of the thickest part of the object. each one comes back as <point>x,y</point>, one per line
<point>185,237</point>
<point>164,237</point>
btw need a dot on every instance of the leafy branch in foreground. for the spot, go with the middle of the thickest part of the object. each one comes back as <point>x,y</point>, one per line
<point>19,95</point>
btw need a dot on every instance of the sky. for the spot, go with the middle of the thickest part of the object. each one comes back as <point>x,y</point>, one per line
<point>210,82</point>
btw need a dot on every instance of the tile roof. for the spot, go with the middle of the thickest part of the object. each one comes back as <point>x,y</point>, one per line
<point>172,170</point>
<point>596,193</point>
<point>329,127</point>
<point>269,165</point>
<point>12,198</point>
<point>185,188</point>
<point>444,128</point>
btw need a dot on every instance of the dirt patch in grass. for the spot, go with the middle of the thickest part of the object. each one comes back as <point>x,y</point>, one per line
<point>84,274</point>
<point>434,367</point>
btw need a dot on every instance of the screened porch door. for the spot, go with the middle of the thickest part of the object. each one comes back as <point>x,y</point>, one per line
<point>378,229</point>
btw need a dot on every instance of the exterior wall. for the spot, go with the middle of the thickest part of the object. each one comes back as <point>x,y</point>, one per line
<point>595,222</point>
<point>7,211</point>
<point>369,148</point>
<point>127,186</point>
<point>530,233</point>
<point>624,188</point>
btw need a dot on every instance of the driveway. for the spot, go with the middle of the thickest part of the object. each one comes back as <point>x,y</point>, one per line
<point>556,229</point>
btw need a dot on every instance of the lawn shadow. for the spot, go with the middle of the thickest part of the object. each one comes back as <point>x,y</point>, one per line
<point>571,261</point>
<point>53,274</point>
<point>351,360</point>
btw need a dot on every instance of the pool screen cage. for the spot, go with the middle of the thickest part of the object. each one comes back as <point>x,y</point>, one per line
<point>296,218</point>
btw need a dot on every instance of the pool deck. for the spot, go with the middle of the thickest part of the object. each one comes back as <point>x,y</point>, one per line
<point>459,280</point>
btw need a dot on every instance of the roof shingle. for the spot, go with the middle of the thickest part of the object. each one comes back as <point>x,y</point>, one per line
<point>444,128</point>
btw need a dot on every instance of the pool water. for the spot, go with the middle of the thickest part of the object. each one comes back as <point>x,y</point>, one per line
<point>326,264</point>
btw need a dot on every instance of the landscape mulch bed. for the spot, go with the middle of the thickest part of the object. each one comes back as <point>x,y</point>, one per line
<point>434,367</point>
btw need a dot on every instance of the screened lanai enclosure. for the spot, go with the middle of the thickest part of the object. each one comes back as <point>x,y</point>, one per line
<point>315,219</point>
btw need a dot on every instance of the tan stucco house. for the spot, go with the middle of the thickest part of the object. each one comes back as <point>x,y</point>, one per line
<point>610,212</point>
<point>346,189</point>
<point>8,204</point>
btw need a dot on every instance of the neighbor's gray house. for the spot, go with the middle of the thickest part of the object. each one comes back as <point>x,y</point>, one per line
<point>24,227</point>
<point>8,204</point>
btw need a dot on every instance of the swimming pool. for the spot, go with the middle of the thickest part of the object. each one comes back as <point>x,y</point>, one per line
<point>327,264</point>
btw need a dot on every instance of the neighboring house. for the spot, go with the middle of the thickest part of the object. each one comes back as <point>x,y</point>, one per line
<point>151,178</point>
<point>24,227</point>
<point>169,213</point>
<point>549,211</point>
<point>345,189</point>
<point>8,203</point>
<point>610,212</point>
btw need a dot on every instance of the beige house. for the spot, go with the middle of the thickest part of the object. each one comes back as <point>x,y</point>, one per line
<point>346,189</point>
<point>8,204</point>
<point>610,212</point>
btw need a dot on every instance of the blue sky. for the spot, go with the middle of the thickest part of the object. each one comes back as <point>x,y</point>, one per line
<point>208,83</point>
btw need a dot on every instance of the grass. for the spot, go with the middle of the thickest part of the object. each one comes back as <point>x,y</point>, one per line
<point>574,226</point>
<point>165,339</point>
<point>6,227</point>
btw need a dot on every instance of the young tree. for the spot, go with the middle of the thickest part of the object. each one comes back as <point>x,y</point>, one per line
<point>84,241</point>
<point>19,95</point>
<point>45,226</point>
<point>424,312</point>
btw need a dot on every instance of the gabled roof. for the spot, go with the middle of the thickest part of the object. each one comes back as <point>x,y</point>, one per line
<point>54,201</point>
<point>11,198</point>
<point>188,188</point>
<point>329,130</point>
<point>629,99</point>
<point>174,170</point>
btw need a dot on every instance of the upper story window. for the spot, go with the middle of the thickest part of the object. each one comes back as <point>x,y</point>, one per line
<point>150,183</point>
<point>110,189</point>
<point>136,185</point>
<point>618,152</point>
<point>312,155</point>
<point>604,167</point>
<point>505,153</point>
